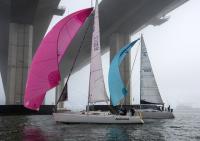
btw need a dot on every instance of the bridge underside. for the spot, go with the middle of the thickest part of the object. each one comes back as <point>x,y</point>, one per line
<point>118,17</point>
<point>118,20</point>
<point>23,24</point>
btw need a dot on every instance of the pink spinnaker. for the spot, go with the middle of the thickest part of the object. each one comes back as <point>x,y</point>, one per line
<point>44,71</point>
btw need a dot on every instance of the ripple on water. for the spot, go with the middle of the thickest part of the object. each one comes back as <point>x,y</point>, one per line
<point>182,128</point>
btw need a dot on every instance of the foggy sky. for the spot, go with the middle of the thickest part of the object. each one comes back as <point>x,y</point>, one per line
<point>173,49</point>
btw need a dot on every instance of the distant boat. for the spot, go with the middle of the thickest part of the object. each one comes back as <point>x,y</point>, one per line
<point>97,92</point>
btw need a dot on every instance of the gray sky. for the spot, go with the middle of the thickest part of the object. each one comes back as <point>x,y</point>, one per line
<point>173,48</point>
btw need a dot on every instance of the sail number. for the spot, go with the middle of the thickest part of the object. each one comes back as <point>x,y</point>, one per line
<point>119,118</point>
<point>96,45</point>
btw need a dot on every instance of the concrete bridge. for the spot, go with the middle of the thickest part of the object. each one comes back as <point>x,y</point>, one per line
<point>23,23</point>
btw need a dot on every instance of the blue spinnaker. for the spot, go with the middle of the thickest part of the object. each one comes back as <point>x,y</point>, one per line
<point>116,85</point>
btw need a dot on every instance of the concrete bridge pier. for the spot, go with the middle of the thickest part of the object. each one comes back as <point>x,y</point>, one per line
<point>117,41</point>
<point>19,58</point>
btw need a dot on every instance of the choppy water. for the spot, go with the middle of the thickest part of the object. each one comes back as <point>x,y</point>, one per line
<point>185,127</point>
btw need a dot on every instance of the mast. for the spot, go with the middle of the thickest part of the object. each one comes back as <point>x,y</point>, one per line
<point>141,38</point>
<point>88,104</point>
<point>149,92</point>
<point>97,92</point>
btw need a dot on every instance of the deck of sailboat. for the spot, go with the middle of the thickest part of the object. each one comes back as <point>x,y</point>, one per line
<point>148,111</point>
<point>155,114</point>
<point>96,118</point>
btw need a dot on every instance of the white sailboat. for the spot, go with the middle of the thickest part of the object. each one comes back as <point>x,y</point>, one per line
<point>97,92</point>
<point>151,103</point>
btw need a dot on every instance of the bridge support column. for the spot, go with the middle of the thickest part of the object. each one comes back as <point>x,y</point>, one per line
<point>117,41</point>
<point>19,58</point>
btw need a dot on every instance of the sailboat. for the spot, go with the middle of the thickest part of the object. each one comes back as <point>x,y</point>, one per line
<point>44,72</point>
<point>151,102</point>
<point>97,92</point>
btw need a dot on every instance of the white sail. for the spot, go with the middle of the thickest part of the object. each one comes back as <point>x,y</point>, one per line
<point>97,92</point>
<point>149,92</point>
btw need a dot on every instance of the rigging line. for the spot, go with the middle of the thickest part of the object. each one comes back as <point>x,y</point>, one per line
<point>74,61</point>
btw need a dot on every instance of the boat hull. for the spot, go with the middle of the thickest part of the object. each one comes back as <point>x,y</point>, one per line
<point>156,114</point>
<point>97,119</point>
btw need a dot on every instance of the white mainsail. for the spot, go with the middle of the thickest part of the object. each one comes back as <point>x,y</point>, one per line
<point>149,92</point>
<point>97,92</point>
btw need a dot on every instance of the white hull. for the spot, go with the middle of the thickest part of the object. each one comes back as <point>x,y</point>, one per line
<point>155,114</point>
<point>96,118</point>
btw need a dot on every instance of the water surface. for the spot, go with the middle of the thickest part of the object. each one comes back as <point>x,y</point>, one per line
<point>185,127</point>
